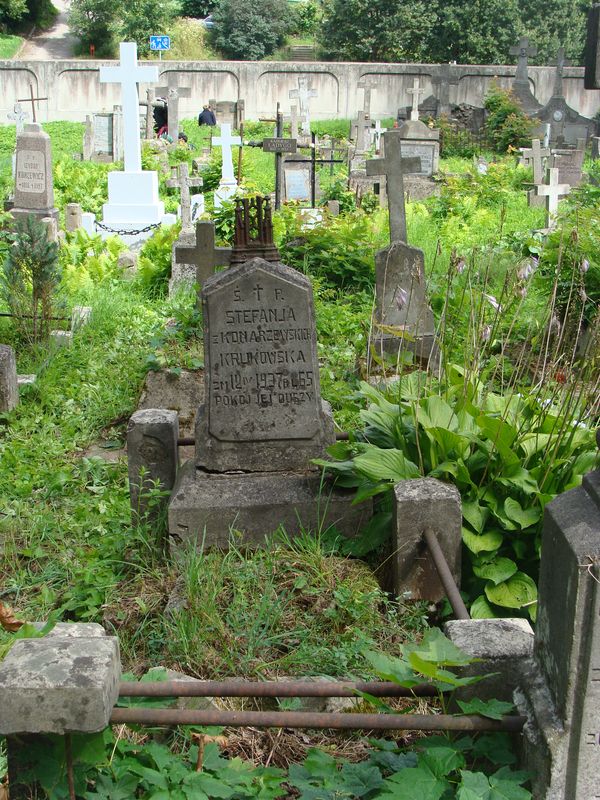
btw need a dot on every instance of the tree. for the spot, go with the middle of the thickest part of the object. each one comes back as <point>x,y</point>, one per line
<point>249,30</point>
<point>377,30</point>
<point>96,22</point>
<point>11,11</point>
<point>144,18</point>
<point>551,24</point>
<point>197,8</point>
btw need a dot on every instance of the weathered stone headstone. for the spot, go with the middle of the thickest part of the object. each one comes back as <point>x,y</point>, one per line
<point>595,147</point>
<point>360,132</point>
<point>296,179</point>
<point>378,132</point>
<point>73,217</point>
<point>34,186</point>
<point>303,94</point>
<point>294,121</point>
<point>442,81</point>
<point>394,166</point>
<point>228,184</point>
<point>566,124</point>
<point>195,257</point>
<point>403,320</point>
<point>9,387</point>
<point>173,92</point>
<point>570,163</point>
<point>182,180</point>
<point>535,157</point>
<point>552,191</point>
<point>417,140</point>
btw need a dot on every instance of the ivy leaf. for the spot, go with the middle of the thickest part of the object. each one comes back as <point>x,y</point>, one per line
<point>493,709</point>
<point>516,592</point>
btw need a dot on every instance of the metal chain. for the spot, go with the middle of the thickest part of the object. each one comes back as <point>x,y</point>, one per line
<point>121,232</point>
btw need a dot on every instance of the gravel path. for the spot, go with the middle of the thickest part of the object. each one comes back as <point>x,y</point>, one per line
<point>56,42</point>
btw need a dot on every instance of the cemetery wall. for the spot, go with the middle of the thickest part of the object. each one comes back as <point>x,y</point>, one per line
<point>73,88</point>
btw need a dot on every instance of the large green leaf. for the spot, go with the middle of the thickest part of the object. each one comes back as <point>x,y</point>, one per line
<point>392,669</point>
<point>481,609</point>
<point>433,412</point>
<point>524,517</point>
<point>475,514</point>
<point>442,759</point>
<point>516,592</point>
<point>481,543</point>
<point>438,649</point>
<point>473,786</point>
<point>378,464</point>
<point>414,783</point>
<point>497,570</point>
<point>493,709</point>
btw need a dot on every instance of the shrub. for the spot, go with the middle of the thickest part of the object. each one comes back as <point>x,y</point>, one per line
<point>249,31</point>
<point>507,124</point>
<point>154,264</point>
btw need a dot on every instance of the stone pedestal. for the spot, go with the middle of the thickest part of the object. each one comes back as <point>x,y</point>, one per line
<point>34,187</point>
<point>419,141</point>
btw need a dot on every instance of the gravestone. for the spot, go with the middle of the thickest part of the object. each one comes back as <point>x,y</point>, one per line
<point>394,165</point>
<point>416,93</point>
<point>195,257</point>
<point>9,386</point>
<point>378,132</point>
<point>566,124</point>
<point>552,191</point>
<point>360,132</point>
<point>562,737</point>
<point>228,184</point>
<point>262,421</point>
<point>73,217</point>
<point>88,139</point>
<point>296,179</point>
<point>103,138</point>
<point>173,92</point>
<point>303,94</point>
<point>521,86</point>
<point>34,187</point>
<point>419,141</point>
<point>150,98</point>
<point>592,49</point>
<point>229,112</point>
<point>442,81</point>
<point>570,163</point>
<point>535,157</point>
<point>595,147</point>
<point>401,306</point>
<point>182,180</point>
<point>367,84</point>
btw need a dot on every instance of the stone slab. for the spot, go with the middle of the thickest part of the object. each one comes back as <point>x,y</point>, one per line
<point>205,507</point>
<point>182,392</point>
<point>59,684</point>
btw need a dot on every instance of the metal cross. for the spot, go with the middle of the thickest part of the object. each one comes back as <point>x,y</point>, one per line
<point>128,73</point>
<point>173,92</point>
<point>203,254</point>
<point>523,50</point>
<point>394,167</point>
<point>31,99</point>
<point>303,94</point>
<point>416,92</point>
<point>181,179</point>
<point>552,191</point>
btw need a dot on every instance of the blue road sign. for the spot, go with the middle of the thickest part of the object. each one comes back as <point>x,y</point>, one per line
<point>160,43</point>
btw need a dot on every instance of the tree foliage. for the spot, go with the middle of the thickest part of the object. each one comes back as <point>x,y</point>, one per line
<point>245,29</point>
<point>551,24</point>
<point>197,8</point>
<point>377,30</point>
<point>11,11</point>
<point>144,18</point>
<point>96,22</point>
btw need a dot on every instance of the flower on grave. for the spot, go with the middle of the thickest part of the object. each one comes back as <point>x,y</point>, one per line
<point>525,271</point>
<point>486,333</point>
<point>493,302</point>
<point>583,295</point>
<point>461,266</point>
<point>401,299</point>
<point>584,266</point>
<point>522,291</point>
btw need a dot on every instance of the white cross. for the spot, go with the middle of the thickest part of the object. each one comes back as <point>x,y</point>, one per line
<point>129,74</point>
<point>377,134</point>
<point>19,116</point>
<point>535,154</point>
<point>416,92</point>
<point>303,93</point>
<point>552,191</point>
<point>226,140</point>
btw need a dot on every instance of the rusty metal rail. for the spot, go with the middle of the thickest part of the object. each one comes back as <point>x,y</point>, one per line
<point>445,575</point>
<point>315,720</point>
<point>236,688</point>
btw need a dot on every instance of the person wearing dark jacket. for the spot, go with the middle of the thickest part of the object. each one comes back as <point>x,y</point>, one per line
<point>207,117</point>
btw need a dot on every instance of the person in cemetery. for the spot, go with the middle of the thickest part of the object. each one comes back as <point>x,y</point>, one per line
<point>207,116</point>
<point>161,115</point>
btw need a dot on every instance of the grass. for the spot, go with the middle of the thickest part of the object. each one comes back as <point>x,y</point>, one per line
<point>9,45</point>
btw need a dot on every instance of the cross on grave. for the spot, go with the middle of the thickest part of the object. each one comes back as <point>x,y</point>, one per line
<point>313,167</point>
<point>294,122</point>
<point>560,63</point>
<point>367,86</point>
<point>173,93</point>
<point>31,99</point>
<point>360,130</point>
<point>378,132</point>
<point>19,117</point>
<point>203,254</point>
<point>552,191</point>
<point>150,98</point>
<point>228,182</point>
<point>415,92</point>
<point>303,94</point>
<point>128,73</point>
<point>394,167</point>
<point>181,179</point>
<point>523,50</point>
<point>534,155</point>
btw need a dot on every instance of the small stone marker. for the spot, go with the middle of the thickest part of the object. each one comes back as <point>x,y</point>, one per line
<point>9,387</point>
<point>173,92</point>
<point>228,183</point>
<point>203,254</point>
<point>296,179</point>
<point>303,94</point>
<point>552,191</point>
<point>263,402</point>
<point>416,93</point>
<point>394,166</point>
<point>182,180</point>
<point>73,217</point>
<point>34,187</point>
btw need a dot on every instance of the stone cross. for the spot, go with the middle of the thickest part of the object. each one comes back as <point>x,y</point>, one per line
<point>303,94</point>
<point>226,141</point>
<point>534,155</point>
<point>366,85</point>
<point>416,92</point>
<point>19,116</point>
<point>361,126</point>
<point>523,50</point>
<point>394,167</point>
<point>129,74</point>
<point>552,191</point>
<point>182,180</point>
<point>150,97</point>
<point>560,63</point>
<point>294,121</point>
<point>203,254</point>
<point>173,92</point>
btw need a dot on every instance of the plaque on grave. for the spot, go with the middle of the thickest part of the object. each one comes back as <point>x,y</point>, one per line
<point>297,184</point>
<point>419,141</point>
<point>426,152</point>
<point>279,145</point>
<point>263,404</point>
<point>103,126</point>
<point>569,164</point>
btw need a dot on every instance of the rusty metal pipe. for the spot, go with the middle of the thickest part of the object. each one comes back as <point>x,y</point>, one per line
<point>233,688</point>
<point>304,719</point>
<point>445,575</point>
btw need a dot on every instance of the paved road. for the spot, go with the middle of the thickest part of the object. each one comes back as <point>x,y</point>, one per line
<point>56,42</point>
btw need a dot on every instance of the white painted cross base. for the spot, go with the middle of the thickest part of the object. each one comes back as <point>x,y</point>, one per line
<point>226,191</point>
<point>133,199</point>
